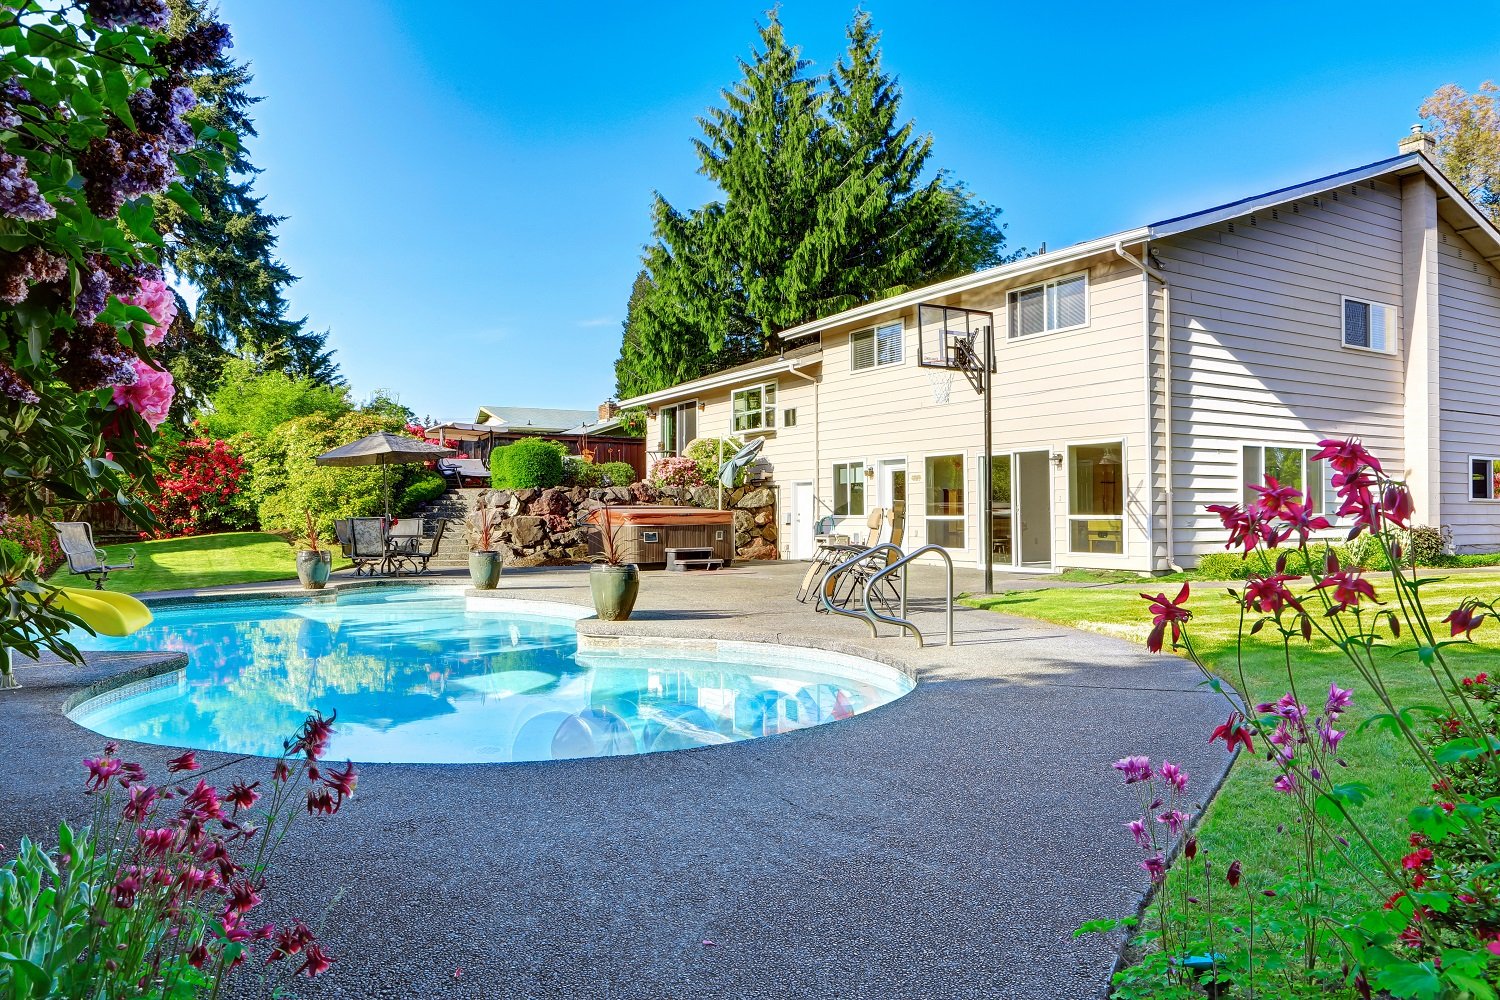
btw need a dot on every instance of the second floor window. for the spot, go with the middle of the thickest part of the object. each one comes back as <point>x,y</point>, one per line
<point>1052,305</point>
<point>755,408</point>
<point>1369,326</point>
<point>880,346</point>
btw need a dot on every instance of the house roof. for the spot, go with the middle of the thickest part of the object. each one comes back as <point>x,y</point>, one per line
<point>1454,207</point>
<point>796,358</point>
<point>536,419</point>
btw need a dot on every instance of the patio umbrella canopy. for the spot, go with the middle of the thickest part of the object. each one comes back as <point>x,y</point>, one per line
<point>384,449</point>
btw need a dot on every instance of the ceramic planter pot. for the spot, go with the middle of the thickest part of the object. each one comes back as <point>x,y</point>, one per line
<point>7,679</point>
<point>484,569</point>
<point>313,568</point>
<point>614,589</point>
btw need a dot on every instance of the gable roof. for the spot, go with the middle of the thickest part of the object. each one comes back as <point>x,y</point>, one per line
<point>533,418</point>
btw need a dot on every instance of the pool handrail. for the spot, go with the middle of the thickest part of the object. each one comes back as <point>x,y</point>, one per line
<point>849,563</point>
<point>903,622</point>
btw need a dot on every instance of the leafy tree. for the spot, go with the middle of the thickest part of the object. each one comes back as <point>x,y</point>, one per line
<point>823,206</point>
<point>227,250</point>
<point>253,402</point>
<point>1467,127</point>
<point>385,403</point>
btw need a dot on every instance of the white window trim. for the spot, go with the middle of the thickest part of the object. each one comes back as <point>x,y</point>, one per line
<point>1010,330</point>
<point>661,412</point>
<point>1330,499</point>
<point>874,332</point>
<point>764,428</point>
<point>1392,335</point>
<point>1469,477</point>
<point>864,494</point>
<point>1069,517</point>
<point>969,537</point>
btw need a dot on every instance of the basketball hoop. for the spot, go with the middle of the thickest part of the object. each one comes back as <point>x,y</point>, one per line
<point>941,381</point>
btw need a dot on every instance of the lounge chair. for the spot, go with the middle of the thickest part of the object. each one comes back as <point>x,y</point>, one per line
<point>367,545</point>
<point>86,559</point>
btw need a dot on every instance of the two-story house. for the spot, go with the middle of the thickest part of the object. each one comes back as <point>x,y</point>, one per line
<point>1143,375</point>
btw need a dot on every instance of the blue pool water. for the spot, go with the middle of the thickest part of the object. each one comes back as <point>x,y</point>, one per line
<point>415,677</point>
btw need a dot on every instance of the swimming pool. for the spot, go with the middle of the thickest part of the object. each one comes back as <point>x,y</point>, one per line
<point>417,677</point>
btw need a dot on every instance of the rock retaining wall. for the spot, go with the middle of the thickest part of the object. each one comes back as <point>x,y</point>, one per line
<point>540,527</point>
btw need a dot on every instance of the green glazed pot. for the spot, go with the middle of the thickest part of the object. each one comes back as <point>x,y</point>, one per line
<point>614,589</point>
<point>313,568</point>
<point>484,569</point>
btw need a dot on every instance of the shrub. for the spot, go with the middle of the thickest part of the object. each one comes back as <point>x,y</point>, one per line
<point>1222,566</point>
<point>617,474</point>
<point>679,473</point>
<point>428,486</point>
<point>199,483</point>
<point>706,451</point>
<point>33,535</point>
<point>580,472</point>
<point>256,403</point>
<point>528,464</point>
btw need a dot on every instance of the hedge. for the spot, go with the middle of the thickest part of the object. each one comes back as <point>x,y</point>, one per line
<point>617,473</point>
<point>428,486</point>
<point>528,464</point>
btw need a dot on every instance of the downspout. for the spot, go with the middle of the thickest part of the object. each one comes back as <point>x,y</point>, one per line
<point>1147,273</point>
<point>817,431</point>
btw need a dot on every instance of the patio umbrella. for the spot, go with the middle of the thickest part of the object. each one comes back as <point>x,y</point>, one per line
<point>384,449</point>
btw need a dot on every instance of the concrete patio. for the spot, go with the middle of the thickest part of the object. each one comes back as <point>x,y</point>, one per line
<point>945,845</point>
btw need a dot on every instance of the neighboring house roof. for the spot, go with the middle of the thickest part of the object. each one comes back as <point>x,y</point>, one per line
<point>535,419</point>
<point>595,426</point>
<point>798,357</point>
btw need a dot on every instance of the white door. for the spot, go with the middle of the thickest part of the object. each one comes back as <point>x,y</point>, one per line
<point>892,483</point>
<point>797,522</point>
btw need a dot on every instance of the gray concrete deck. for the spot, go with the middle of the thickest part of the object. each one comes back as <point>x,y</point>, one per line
<point>944,845</point>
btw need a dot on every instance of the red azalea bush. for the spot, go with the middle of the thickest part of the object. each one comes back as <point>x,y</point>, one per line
<point>157,897</point>
<point>199,480</point>
<point>1437,935</point>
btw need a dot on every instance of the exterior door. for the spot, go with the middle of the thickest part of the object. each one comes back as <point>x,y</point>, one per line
<point>1033,495</point>
<point>892,482</point>
<point>798,522</point>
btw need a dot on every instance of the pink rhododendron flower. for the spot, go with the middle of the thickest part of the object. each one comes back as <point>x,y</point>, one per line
<point>157,299</point>
<point>150,396</point>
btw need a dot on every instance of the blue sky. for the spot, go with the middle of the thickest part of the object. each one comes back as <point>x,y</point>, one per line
<point>467,194</point>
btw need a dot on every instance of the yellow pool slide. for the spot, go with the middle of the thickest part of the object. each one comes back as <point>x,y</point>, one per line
<point>105,611</point>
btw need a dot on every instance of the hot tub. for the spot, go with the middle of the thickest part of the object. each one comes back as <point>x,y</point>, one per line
<point>645,533</point>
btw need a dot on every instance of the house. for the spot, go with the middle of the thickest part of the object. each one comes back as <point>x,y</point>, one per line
<point>1140,376</point>
<point>597,434</point>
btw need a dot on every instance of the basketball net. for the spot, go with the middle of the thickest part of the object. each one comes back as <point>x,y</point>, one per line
<point>941,381</point>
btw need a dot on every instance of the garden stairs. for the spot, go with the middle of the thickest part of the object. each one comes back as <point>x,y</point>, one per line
<point>455,506</point>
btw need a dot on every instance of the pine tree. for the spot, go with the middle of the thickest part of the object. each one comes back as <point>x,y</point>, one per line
<point>823,207</point>
<point>229,253</point>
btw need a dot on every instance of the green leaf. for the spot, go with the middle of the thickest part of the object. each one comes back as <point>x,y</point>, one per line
<point>117,94</point>
<point>1104,926</point>
<point>1465,748</point>
<point>138,216</point>
<point>1408,981</point>
<point>29,971</point>
<point>184,199</point>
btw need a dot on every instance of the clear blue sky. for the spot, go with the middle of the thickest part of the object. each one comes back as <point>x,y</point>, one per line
<point>468,189</point>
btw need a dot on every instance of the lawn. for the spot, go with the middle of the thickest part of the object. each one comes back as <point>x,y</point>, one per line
<point>1243,819</point>
<point>197,561</point>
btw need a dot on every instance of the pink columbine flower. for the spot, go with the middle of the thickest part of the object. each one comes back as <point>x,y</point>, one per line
<point>1137,828</point>
<point>1134,768</point>
<point>1339,700</point>
<point>1174,819</point>
<point>1269,594</point>
<point>186,762</point>
<point>1156,866</point>
<point>1274,497</point>
<point>242,796</point>
<point>150,396</point>
<point>1174,776</point>
<point>1396,503</point>
<point>125,891</point>
<point>315,961</point>
<point>1348,588</point>
<point>1330,736</point>
<point>241,897</point>
<point>156,843</point>
<point>101,769</point>
<point>1463,619</point>
<point>142,798</point>
<point>154,296</point>
<point>1345,456</point>
<point>342,782</point>
<point>1286,783</point>
<point>1167,613</point>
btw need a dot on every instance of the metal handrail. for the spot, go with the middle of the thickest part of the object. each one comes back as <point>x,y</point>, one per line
<point>873,616</point>
<point>852,561</point>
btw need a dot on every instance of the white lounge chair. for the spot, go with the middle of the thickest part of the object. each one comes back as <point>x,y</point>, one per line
<point>86,559</point>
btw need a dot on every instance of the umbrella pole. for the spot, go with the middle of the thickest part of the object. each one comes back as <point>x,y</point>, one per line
<point>385,489</point>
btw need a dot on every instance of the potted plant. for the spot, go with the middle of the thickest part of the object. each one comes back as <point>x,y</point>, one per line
<point>613,582</point>
<point>485,561</point>
<point>314,562</point>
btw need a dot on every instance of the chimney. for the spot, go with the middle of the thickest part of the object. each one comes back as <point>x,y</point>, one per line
<point>608,409</point>
<point>1418,142</point>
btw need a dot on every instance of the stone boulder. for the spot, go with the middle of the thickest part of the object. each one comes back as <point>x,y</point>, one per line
<point>528,531</point>
<point>761,496</point>
<point>759,549</point>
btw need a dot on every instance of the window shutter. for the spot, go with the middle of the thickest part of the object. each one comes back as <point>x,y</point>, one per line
<point>1356,323</point>
<point>862,350</point>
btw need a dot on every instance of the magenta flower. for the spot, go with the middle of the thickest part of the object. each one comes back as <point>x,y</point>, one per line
<point>242,796</point>
<point>315,961</point>
<point>1330,736</point>
<point>241,897</point>
<point>1235,521</point>
<point>130,773</point>
<point>101,769</point>
<point>1174,819</point>
<point>1274,497</point>
<point>1167,612</point>
<point>1397,505</point>
<point>125,891</point>
<point>1137,828</point>
<point>1156,866</point>
<point>290,940</point>
<point>1174,776</point>
<point>342,782</point>
<point>1134,768</point>
<point>186,762</point>
<point>1233,731</point>
<point>1289,708</point>
<point>1348,588</point>
<point>1345,456</point>
<point>203,802</point>
<point>142,798</point>
<point>320,800</point>
<point>1301,521</point>
<point>1339,700</point>
<point>1232,876</point>
<point>1286,783</point>
<point>156,843</point>
<point>1463,619</point>
<point>1269,594</point>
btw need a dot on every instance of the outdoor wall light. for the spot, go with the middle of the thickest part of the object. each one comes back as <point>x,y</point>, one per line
<point>1057,459</point>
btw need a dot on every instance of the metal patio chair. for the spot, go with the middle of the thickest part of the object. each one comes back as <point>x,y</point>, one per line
<point>367,545</point>
<point>86,559</point>
<point>418,558</point>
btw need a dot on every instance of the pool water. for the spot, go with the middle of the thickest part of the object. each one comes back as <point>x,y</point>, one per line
<point>415,677</point>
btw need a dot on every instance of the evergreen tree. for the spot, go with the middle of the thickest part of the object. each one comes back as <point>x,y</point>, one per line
<point>228,253</point>
<point>822,207</point>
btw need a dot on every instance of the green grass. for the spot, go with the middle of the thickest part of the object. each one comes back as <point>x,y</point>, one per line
<point>1242,821</point>
<point>197,561</point>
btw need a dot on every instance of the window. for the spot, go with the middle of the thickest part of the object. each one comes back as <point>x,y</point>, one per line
<point>1096,500</point>
<point>1054,305</point>
<point>1292,467</point>
<point>1483,481</point>
<point>880,346</point>
<point>1369,326</point>
<point>679,425</point>
<point>849,489</point>
<point>789,417</point>
<point>945,501</point>
<point>754,408</point>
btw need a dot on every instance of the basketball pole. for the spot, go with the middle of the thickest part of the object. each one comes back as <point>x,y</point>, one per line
<point>987,486</point>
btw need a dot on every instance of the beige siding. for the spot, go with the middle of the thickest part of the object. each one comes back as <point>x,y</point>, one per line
<point>1469,311</point>
<point>1257,343</point>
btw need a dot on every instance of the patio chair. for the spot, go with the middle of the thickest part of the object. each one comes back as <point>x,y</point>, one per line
<point>341,532</point>
<point>419,557</point>
<point>367,545</point>
<point>86,559</point>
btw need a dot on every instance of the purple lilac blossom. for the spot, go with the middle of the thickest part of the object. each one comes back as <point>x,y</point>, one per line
<point>117,14</point>
<point>19,196</point>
